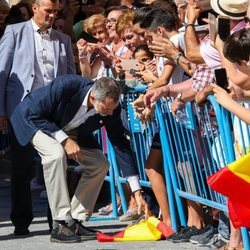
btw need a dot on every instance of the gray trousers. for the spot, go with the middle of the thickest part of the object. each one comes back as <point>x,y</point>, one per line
<point>94,169</point>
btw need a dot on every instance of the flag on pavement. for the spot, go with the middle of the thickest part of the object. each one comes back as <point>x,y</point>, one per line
<point>145,230</point>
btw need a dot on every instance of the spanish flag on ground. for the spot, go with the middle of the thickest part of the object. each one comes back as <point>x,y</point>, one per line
<point>148,229</point>
<point>233,181</point>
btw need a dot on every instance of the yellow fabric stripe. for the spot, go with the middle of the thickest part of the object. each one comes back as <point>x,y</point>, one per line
<point>241,167</point>
<point>145,230</point>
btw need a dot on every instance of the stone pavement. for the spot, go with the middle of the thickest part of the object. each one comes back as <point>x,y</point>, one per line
<point>39,237</point>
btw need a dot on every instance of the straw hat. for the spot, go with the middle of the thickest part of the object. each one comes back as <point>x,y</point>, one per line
<point>235,9</point>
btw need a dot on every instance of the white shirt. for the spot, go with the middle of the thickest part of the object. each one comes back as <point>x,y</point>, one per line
<point>44,57</point>
<point>80,117</point>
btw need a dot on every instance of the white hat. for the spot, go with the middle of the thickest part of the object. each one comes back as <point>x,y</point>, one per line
<point>235,9</point>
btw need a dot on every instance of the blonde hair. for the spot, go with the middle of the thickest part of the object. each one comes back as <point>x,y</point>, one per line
<point>125,21</point>
<point>93,22</point>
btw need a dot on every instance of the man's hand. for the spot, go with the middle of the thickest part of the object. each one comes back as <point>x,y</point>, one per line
<point>3,123</point>
<point>155,94</point>
<point>147,115</point>
<point>138,104</point>
<point>141,203</point>
<point>72,149</point>
<point>175,106</point>
<point>165,48</point>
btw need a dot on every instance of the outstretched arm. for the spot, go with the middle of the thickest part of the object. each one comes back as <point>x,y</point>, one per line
<point>225,100</point>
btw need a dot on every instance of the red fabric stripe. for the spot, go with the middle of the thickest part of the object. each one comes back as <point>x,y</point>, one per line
<point>101,237</point>
<point>165,229</point>
<point>229,184</point>
<point>239,214</point>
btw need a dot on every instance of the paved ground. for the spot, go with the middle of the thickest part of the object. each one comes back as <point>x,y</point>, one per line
<point>39,238</point>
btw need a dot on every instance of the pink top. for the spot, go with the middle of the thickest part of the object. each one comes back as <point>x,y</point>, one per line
<point>211,55</point>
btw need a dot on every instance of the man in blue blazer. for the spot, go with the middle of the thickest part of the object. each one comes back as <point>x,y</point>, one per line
<point>32,54</point>
<point>59,121</point>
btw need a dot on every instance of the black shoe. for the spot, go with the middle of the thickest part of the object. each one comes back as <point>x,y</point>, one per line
<point>186,233</point>
<point>19,231</point>
<point>84,232</point>
<point>64,234</point>
<point>170,238</point>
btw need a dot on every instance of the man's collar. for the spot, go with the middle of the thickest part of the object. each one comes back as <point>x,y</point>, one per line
<point>37,29</point>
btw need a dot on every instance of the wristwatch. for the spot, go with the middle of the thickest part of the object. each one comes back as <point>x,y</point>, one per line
<point>177,57</point>
<point>179,98</point>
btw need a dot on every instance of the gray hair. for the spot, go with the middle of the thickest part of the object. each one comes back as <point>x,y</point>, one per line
<point>106,87</point>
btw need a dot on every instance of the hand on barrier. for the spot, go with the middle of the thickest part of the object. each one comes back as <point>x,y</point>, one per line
<point>138,105</point>
<point>175,106</point>
<point>147,115</point>
<point>155,94</point>
<point>201,96</point>
<point>72,150</point>
<point>141,203</point>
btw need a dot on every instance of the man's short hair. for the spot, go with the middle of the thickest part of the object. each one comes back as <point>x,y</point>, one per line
<point>106,87</point>
<point>237,47</point>
<point>160,18</point>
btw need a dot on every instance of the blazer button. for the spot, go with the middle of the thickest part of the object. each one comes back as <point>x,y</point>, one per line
<point>32,75</point>
<point>27,91</point>
<point>101,121</point>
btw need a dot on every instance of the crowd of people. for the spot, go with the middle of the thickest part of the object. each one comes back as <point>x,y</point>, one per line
<point>64,66</point>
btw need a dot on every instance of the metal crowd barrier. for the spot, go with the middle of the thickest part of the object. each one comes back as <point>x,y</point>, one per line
<point>196,149</point>
<point>192,151</point>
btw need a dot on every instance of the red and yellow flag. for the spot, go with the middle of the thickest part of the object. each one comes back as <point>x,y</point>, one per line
<point>145,230</point>
<point>233,181</point>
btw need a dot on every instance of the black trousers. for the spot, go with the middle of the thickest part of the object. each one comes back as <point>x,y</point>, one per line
<point>21,174</point>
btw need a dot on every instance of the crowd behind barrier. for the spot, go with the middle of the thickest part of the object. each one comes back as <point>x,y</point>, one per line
<point>192,152</point>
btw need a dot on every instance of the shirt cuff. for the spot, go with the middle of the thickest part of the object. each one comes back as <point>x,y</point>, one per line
<point>60,136</point>
<point>134,183</point>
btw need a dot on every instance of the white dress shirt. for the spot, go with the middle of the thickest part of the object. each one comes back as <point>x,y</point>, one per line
<point>44,57</point>
<point>80,117</point>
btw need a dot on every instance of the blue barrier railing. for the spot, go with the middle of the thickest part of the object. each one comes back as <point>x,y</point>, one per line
<point>191,152</point>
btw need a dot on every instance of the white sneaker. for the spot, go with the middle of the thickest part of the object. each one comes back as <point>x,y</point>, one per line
<point>43,195</point>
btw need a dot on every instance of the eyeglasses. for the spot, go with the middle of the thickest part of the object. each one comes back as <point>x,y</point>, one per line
<point>247,19</point>
<point>111,21</point>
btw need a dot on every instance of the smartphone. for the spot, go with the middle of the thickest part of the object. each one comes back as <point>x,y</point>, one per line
<point>128,64</point>
<point>221,78</point>
<point>88,38</point>
<point>223,23</point>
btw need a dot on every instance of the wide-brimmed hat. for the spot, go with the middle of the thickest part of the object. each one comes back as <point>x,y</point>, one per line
<point>235,9</point>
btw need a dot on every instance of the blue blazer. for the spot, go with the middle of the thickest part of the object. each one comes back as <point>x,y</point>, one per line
<point>50,108</point>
